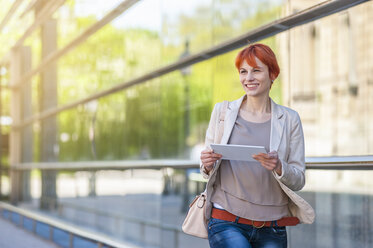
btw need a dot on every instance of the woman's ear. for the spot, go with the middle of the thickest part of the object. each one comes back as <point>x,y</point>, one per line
<point>272,80</point>
<point>272,77</point>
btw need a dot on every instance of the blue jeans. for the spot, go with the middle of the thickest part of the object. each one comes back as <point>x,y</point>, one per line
<point>226,234</point>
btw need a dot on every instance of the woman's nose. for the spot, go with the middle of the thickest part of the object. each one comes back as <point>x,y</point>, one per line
<point>249,76</point>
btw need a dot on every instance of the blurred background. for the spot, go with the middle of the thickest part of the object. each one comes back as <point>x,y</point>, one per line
<point>104,106</point>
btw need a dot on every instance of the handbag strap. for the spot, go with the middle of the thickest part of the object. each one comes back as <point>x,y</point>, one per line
<point>221,121</point>
<point>220,130</point>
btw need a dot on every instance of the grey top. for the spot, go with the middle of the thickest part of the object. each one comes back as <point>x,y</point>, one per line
<point>248,184</point>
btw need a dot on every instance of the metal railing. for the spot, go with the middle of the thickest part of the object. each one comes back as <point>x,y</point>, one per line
<point>320,163</point>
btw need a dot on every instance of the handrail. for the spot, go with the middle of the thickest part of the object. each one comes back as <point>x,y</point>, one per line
<point>73,230</point>
<point>109,165</point>
<point>321,163</point>
<point>340,163</point>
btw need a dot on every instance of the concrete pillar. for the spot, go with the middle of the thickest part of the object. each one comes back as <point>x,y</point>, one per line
<point>26,132</point>
<point>48,99</point>
<point>15,134</point>
<point>1,136</point>
<point>20,139</point>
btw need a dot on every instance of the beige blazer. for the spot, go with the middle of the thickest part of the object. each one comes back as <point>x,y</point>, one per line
<point>286,138</point>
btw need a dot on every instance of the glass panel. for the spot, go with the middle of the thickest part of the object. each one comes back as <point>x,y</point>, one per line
<point>162,118</point>
<point>122,50</point>
<point>75,16</point>
<point>159,119</point>
<point>342,200</point>
<point>75,143</point>
<point>167,31</point>
<point>135,205</point>
<point>233,18</point>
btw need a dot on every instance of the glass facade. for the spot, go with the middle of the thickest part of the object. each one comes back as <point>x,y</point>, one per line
<point>328,83</point>
<point>172,110</point>
<point>326,75</point>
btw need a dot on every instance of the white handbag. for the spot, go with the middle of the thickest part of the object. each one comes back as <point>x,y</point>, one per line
<point>195,222</point>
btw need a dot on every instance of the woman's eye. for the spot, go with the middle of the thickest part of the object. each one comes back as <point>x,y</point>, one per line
<point>255,70</point>
<point>242,72</point>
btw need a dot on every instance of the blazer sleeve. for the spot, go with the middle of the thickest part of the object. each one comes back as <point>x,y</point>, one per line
<point>293,167</point>
<point>210,135</point>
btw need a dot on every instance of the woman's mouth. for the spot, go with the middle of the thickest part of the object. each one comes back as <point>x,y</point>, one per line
<point>251,86</point>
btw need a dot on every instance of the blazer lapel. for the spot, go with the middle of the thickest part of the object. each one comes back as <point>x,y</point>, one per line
<point>277,123</point>
<point>277,126</point>
<point>230,119</point>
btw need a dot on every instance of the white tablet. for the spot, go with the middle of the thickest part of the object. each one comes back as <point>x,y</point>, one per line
<point>238,152</point>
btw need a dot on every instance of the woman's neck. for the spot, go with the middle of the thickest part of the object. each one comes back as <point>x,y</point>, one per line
<point>257,105</point>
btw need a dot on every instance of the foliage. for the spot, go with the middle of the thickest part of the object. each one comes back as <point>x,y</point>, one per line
<point>164,117</point>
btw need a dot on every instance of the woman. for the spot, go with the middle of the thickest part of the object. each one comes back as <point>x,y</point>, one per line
<point>249,204</point>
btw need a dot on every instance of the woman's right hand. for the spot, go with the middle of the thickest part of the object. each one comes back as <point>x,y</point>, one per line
<point>208,158</point>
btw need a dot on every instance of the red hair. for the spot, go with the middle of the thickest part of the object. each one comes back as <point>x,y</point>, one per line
<point>264,53</point>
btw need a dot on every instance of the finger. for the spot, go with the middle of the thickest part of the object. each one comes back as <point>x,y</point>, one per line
<point>207,163</point>
<point>261,155</point>
<point>265,166</point>
<point>271,160</point>
<point>216,155</point>
<point>259,158</point>
<point>269,165</point>
<point>209,160</point>
<point>206,152</point>
<point>265,159</point>
<point>213,155</point>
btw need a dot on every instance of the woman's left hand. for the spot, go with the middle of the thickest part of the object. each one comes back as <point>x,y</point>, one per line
<point>269,161</point>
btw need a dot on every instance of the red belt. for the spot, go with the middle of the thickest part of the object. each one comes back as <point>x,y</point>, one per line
<point>224,215</point>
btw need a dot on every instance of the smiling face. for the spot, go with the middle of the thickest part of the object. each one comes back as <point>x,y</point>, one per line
<point>255,80</point>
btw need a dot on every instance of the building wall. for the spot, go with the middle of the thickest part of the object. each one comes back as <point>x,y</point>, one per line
<point>327,73</point>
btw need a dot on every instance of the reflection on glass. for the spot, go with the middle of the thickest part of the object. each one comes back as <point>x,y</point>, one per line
<point>342,200</point>
<point>233,18</point>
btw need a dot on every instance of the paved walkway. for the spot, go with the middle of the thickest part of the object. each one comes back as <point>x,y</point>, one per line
<point>13,237</point>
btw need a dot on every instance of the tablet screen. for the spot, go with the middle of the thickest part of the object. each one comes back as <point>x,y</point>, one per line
<point>238,152</point>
